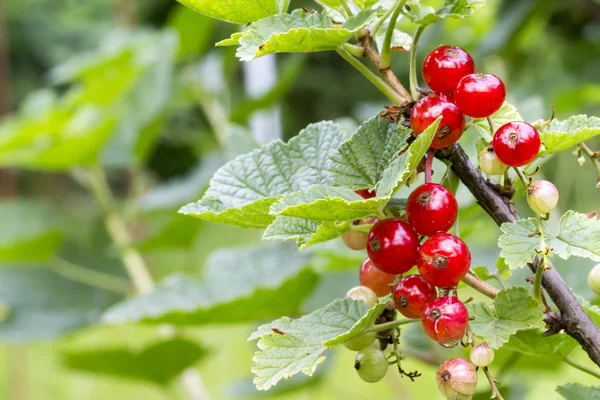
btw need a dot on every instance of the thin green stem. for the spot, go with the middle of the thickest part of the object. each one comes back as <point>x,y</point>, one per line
<point>389,325</point>
<point>582,367</point>
<point>90,277</point>
<point>491,124</point>
<point>377,24</point>
<point>346,7</point>
<point>537,283</point>
<point>414,83</point>
<point>522,177</point>
<point>501,281</point>
<point>593,158</point>
<point>356,51</point>
<point>385,59</point>
<point>493,382</point>
<point>386,89</point>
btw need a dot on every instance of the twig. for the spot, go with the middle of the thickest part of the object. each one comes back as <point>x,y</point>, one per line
<point>473,280</point>
<point>495,391</point>
<point>576,321</point>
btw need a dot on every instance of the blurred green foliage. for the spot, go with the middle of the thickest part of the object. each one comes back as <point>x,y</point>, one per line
<point>156,105</point>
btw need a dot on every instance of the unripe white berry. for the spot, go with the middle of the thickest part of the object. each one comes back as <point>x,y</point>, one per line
<point>482,355</point>
<point>594,279</point>
<point>489,163</point>
<point>363,293</point>
<point>542,197</point>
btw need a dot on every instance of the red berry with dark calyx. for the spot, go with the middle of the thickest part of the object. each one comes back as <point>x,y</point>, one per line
<point>393,246</point>
<point>444,260</point>
<point>412,294</point>
<point>365,193</point>
<point>445,66</point>
<point>479,95</point>
<point>375,279</point>
<point>445,320</point>
<point>516,143</point>
<point>431,208</point>
<point>428,109</point>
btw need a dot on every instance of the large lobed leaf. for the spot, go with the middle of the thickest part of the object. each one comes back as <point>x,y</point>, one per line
<point>560,135</point>
<point>242,191</point>
<point>578,235</point>
<point>532,343</point>
<point>242,284</point>
<point>301,31</point>
<point>514,309</point>
<point>289,346</point>
<point>576,391</point>
<point>238,11</point>
<point>424,15</point>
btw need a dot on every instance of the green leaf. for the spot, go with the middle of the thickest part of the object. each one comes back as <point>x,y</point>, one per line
<point>532,343</point>
<point>288,346</point>
<point>30,231</point>
<point>304,231</point>
<point>592,310</point>
<point>134,352</point>
<point>576,391</point>
<point>301,31</point>
<point>560,135</point>
<point>578,235</point>
<point>239,11</point>
<point>242,191</point>
<point>515,309</point>
<point>424,15</point>
<point>401,41</point>
<point>507,113</point>
<point>241,284</point>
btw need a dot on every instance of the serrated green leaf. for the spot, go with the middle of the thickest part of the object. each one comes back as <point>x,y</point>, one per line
<point>241,284</point>
<point>301,31</point>
<point>507,113</point>
<point>327,203</point>
<point>30,231</point>
<point>289,346</point>
<point>560,135</point>
<point>401,41</point>
<point>133,352</point>
<point>450,180</point>
<point>502,268</point>
<point>424,15</point>
<point>239,11</point>
<point>578,235</point>
<point>242,191</point>
<point>514,309</point>
<point>592,310</point>
<point>576,391</point>
<point>399,170</point>
<point>304,231</point>
<point>532,343</point>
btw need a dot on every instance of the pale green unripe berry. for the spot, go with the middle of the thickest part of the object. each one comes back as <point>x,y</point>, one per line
<point>358,343</point>
<point>482,355</point>
<point>489,163</point>
<point>371,364</point>
<point>363,293</point>
<point>594,279</point>
<point>457,379</point>
<point>542,197</point>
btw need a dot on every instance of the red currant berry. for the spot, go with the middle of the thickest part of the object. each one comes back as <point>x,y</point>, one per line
<point>431,208</point>
<point>457,379</point>
<point>372,277</point>
<point>479,95</point>
<point>445,66</point>
<point>428,109</point>
<point>516,143</point>
<point>393,246</point>
<point>412,294</point>
<point>444,260</point>
<point>365,193</point>
<point>445,320</point>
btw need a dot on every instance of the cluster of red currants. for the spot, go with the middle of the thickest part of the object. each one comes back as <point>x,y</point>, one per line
<point>458,91</point>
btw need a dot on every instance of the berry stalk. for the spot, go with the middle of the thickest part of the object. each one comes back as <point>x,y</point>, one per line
<point>385,60</point>
<point>414,83</point>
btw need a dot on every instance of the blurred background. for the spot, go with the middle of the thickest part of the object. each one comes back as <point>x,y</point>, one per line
<point>140,86</point>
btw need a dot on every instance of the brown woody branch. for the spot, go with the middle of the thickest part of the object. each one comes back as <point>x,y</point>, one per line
<point>573,318</point>
<point>387,74</point>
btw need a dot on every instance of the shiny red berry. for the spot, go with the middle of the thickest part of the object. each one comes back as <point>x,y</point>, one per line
<point>431,208</point>
<point>445,320</point>
<point>412,294</point>
<point>479,95</point>
<point>365,193</point>
<point>444,260</point>
<point>375,279</point>
<point>428,109</point>
<point>445,66</point>
<point>393,246</point>
<point>516,143</point>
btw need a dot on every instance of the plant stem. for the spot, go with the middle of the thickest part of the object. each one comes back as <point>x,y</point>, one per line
<point>429,165</point>
<point>491,124</point>
<point>522,177</point>
<point>356,51</point>
<point>537,283</point>
<point>495,391</point>
<point>385,59</point>
<point>389,325</point>
<point>346,7</point>
<point>582,367</point>
<point>593,158</point>
<point>414,83</point>
<point>473,280</point>
<point>377,24</point>
<point>90,277</point>
<point>386,89</point>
